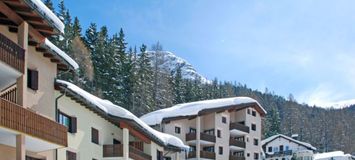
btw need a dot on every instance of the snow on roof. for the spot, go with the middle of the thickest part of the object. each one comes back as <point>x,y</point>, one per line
<point>117,111</point>
<point>48,44</point>
<point>43,10</point>
<point>329,155</point>
<point>193,108</point>
<point>267,140</point>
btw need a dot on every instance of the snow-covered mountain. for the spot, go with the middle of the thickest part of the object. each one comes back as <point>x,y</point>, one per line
<point>172,62</point>
<point>343,104</point>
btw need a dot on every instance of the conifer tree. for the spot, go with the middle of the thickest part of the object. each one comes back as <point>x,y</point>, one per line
<point>49,4</point>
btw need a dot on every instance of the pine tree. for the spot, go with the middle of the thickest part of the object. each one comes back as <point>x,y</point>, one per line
<point>76,28</point>
<point>49,4</point>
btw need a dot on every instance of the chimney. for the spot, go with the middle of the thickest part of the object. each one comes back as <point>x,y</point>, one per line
<point>294,136</point>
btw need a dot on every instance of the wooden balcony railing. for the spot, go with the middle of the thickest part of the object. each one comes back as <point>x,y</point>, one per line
<point>10,94</point>
<point>137,154</point>
<point>112,150</point>
<point>11,53</point>
<point>23,120</point>
<point>203,136</point>
<point>233,142</point>
<point>231,157</point>
<point>203,154</point>
<point>238,126</point>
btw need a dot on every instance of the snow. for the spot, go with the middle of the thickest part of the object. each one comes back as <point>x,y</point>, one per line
<point>118,111</point>
<point>329,155</point>
<point>42,9</point>
<point>171,61</point>
<point>342,104</point>
<point>193,108</point>
<point>289,138</point>
<point>60,53</point>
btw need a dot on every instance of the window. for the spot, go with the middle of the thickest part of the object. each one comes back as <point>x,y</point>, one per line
<point>283,159</point>
<point>248,111</point>
<point>256,141</point>
<point>248,154</point>
<point>209,131</point>
<point>192,130</point>
<point>115,141</point>
<point>177,130</point>
<point>209,149</point>
<point>159,155</point>
<point>218,133</point>
<point>220,150</point>
<point>270,149</point>
<point>71,155</point>
<point>256,155</point>
<point>253,127</point>
<point>281,148</point>
<point>94,136</point>
<point>68,121</point>
<point>224,119</point>
<point>253,113</point>
<point>192,148</point>
<point>32,79</point>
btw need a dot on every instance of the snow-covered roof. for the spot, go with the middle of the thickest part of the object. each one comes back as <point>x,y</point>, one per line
<point>194,108</point>
<point>114,110</point>
<point>269,139</point>
<point>68,60</point>
<point>330,155</point>
<point>46,13</point>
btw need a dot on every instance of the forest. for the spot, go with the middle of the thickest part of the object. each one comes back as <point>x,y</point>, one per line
<point>137,80</point>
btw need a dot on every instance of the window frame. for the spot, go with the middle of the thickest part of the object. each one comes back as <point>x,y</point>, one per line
<point>95,136</point>
<point>177,130</point>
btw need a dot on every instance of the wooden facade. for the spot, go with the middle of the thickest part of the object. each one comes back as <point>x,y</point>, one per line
<point>11,54</point>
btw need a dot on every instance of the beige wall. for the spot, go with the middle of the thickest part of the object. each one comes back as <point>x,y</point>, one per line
<point>80,142</point>
<point>250,147</point>
<point>225,134</point>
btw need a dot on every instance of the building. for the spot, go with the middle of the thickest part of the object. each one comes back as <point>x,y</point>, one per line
<point>228,128</point>
<point>98,129</point>
<point>29,63</point>
<point>281,147</point>
<point>335,155</point>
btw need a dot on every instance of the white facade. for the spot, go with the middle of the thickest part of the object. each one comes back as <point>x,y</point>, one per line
<point>281,147</point>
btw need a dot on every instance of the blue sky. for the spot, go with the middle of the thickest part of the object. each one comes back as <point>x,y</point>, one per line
<point>303,47</point>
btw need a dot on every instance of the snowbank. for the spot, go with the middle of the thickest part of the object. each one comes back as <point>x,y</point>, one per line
<point>289,138</point>
<point>193,108</point>
<point>48,44</point>
<point>114,110</point>
<point>43,10</point>
<point>337,155</point>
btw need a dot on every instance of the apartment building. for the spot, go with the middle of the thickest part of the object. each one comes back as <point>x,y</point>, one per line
<point>281,147</point>
<point>29,63</point>
<point>228,128</point>
<point>98,129</point>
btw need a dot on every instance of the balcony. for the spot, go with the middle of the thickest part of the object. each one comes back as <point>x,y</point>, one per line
<point>11,62</point>
<point>238,129</point>
<point>112,150</point>
<point>40,132</point>
<point>203,154</point>
<point>116,150</point>
<point>12,54</point>
<point>231,157</point>
<point>279,154</point>
<point>236,145</point>
<point>205,139</point>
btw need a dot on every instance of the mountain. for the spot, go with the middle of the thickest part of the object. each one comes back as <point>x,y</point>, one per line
<point>170,61</point>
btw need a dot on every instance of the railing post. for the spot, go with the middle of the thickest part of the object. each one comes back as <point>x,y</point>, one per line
<point>22,38</point>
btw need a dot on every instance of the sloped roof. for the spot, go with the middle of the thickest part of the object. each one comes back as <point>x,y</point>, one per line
<point>113,111</point>
<point>269,139</point>
<point>201,107</point>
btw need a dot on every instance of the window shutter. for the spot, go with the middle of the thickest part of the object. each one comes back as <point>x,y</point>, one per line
<point>73,125</point>
<point>94,135</point>
<point>32,79</point>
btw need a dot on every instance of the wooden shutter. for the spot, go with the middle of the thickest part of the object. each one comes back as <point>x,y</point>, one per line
<point>32,79</point>
<point>73,125</point>
<point>71,155</point>
<point>94,136</point>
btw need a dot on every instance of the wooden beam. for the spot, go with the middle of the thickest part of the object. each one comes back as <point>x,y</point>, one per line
<point>55,60</point>
<point>135,133</point>
<point>7,22</point>
<point>32,43</point>
<point>32,18</point>
<point>13,16</point>
<point>48,55</point>
<point>40,49</point>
